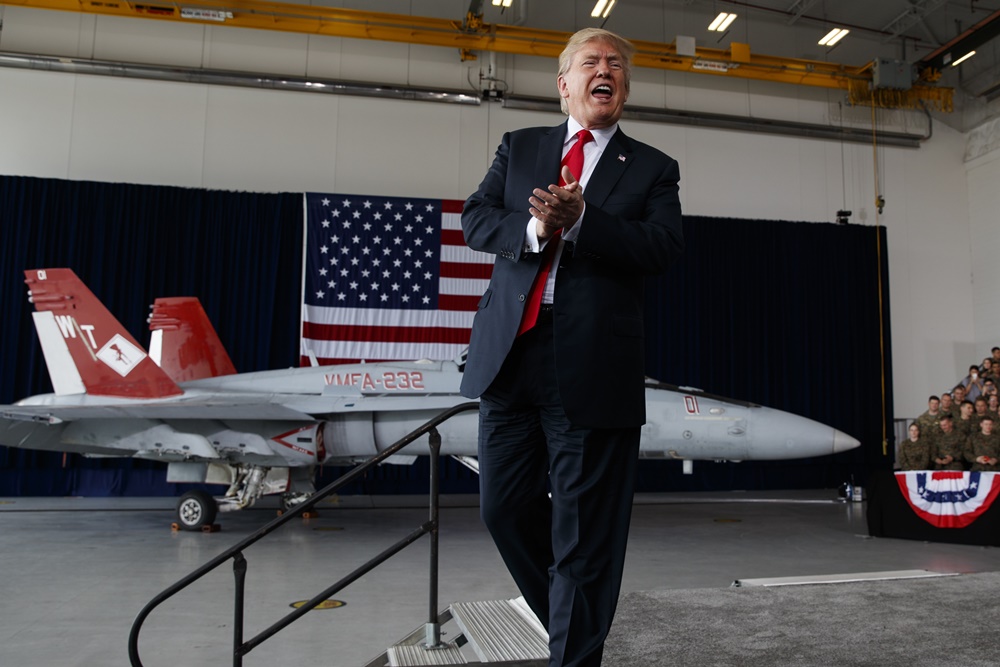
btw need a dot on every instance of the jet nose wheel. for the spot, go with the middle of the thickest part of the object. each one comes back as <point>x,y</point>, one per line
<point>196,509</point>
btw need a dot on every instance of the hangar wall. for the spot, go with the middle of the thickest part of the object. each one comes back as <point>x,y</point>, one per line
<point>984,203</point>
<point>112,129</point>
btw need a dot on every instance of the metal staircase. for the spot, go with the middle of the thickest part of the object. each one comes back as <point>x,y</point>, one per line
<point>497,632</point>
<point>503,632</point>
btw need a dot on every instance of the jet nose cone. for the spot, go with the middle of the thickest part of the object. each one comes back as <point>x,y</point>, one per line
<point>843,442</point>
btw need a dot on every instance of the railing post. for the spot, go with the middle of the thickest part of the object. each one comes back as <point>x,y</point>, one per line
<point>432,631</point>
<point>240,574</point>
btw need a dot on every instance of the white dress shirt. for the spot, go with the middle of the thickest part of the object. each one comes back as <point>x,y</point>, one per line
<point>592,152</point>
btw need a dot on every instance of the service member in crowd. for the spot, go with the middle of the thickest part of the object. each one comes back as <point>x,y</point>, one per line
<point>983,449</point>
<point>928,421</point>
<point>964,424</point>
<point>948,446</point>
<point>947,406</point>
<point>958,394</point>
<point>981,412</point>
<point>914,453</point>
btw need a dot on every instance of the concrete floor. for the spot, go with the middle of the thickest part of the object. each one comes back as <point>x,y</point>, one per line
<point>76,571</point>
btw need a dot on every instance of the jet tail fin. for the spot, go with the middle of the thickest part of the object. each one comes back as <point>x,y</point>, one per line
<point>184,342</point>
<point>85,347</point>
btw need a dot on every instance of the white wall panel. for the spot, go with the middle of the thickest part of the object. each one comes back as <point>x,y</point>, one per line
<point>137,131</point>
<point>531,76</point>
<point>383,62</point>
<point>323,56</point>
<point>476,151</point>
<point>36,117</point>
<point>930,269</point>
<point>256,50</point>
<point>983,180</point>
<point>397,147</point>
<point>818,194</point>
<point>144,41</point>
<point>735,174</point>
<point>434,67</point>
<point>47,32</point>
<point>717,95</point>
<point>646,89</point>
<point>270,141</point>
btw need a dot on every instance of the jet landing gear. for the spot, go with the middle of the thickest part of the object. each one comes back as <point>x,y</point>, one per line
<point>196,510</point>
<point>291,500</point>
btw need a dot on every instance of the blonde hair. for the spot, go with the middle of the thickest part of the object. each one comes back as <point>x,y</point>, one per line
<point>582,37</point>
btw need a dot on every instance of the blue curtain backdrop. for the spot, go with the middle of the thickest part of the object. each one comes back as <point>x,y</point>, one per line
<point>785,315</point>
<point>780,313</point>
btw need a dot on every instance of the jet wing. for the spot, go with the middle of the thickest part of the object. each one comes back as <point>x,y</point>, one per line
<point>278,407</point>
<point>250,410</point>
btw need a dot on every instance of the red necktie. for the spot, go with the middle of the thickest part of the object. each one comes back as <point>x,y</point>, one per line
<point>574,160</point>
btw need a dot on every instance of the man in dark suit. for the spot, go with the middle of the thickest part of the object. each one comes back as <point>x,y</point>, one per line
<point>557,344</point>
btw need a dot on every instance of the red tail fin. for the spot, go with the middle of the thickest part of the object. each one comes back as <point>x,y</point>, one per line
<point>184,342</point>
<point>73,324</point>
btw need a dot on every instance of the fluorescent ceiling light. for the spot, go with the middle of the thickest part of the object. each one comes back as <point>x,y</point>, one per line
<point>505,3</point>
<point>833,36</point>
<point>602,8</point>
<point>964,58</point>
<point>722,21</point>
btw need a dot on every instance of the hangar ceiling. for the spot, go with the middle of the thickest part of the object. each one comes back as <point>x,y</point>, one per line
<point>909,30</point>
<point>773,40</point>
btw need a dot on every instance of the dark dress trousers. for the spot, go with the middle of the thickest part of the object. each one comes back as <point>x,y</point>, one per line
<point>561,406</point>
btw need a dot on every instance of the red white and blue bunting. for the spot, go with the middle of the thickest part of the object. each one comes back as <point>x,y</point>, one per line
<point>947,499</point>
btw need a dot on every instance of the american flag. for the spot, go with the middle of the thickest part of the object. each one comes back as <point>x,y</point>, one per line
<point>387,278</point>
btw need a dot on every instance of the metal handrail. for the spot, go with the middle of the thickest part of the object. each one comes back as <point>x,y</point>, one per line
<point>241,648</point>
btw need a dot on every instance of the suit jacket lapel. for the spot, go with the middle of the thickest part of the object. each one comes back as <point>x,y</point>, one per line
<point>617,157</point>
<point>549,156</point>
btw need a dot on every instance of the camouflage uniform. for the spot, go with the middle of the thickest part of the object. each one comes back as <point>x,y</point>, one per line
<point>948,444</point>
<point>977,419</point>
<point>915,455</point>
<point>965,427</point>
<point>928,423</point>
<point>983,445</point>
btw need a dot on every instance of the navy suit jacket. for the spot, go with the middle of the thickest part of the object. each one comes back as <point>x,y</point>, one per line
<point>631,228</point>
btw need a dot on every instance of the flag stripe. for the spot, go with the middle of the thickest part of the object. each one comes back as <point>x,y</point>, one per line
<point>385,317</point>
<point>382,351</point>
<point>454,254</point>
<point>372,334</point>
<point>476,271</point>
<point>463,303</point>
<point>464,286</point>
<point>452,237</point>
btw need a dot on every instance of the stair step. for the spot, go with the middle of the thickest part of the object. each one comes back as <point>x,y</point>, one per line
<point>414,655</point>
<point>500,631</point>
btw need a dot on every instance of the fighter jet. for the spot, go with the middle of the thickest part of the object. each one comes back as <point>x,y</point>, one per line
<point>183,403</point>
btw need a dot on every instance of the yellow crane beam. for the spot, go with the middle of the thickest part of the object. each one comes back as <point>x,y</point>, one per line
<point>473,35</point>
